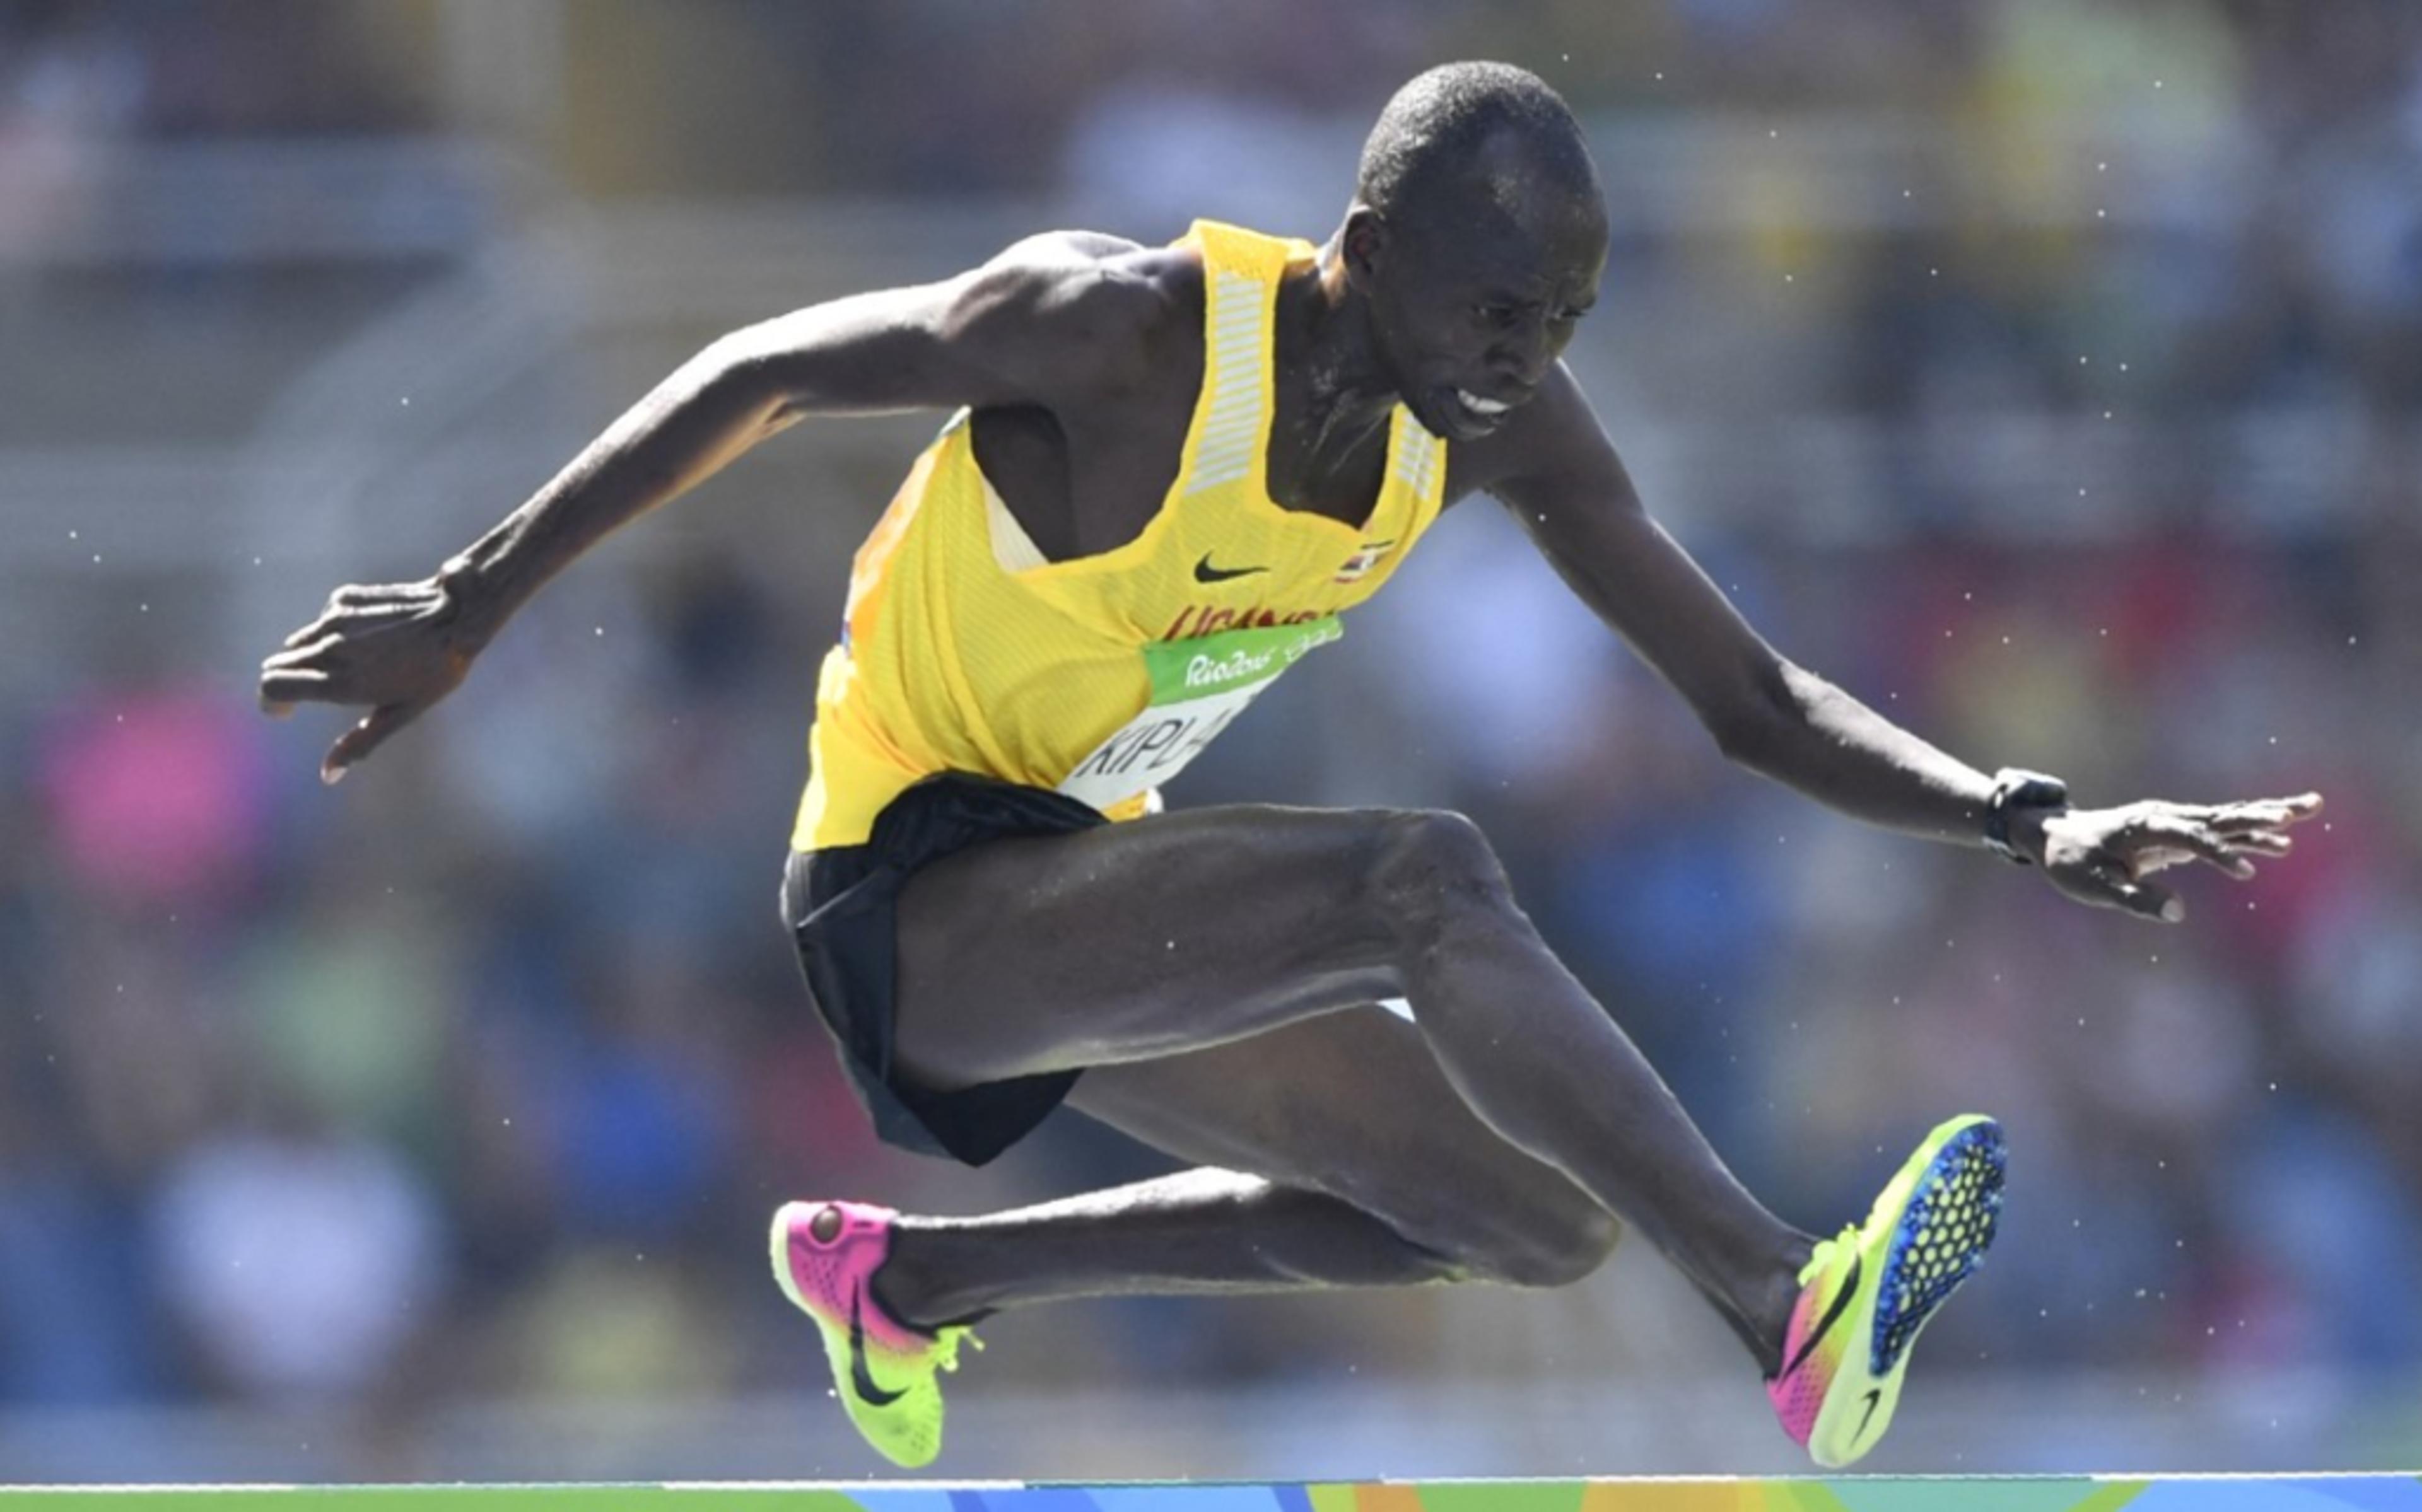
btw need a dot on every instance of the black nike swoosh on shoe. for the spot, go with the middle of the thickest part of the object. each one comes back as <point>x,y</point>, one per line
<point>1205,572</point>
<point>859,1376</point>
<point>1875,1394</point>
<point>1833,1316</point>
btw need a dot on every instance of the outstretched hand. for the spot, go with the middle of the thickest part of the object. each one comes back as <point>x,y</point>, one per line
<point>397,647</point>
<point>2104,855</point>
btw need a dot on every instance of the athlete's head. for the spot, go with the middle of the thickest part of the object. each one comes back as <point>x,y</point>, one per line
<point>1478,234</point>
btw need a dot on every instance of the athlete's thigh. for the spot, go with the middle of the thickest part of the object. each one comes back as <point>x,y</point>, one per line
<point>1355,1105</point>
<point>1134,941</point>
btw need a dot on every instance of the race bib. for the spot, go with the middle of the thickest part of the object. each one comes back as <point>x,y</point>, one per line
<point>1197,686</point>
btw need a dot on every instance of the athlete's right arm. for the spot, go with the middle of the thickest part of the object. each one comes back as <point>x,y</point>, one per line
<point>1046,322</point>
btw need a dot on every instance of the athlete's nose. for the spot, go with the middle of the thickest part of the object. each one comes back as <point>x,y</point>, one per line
<point>1524,356</point>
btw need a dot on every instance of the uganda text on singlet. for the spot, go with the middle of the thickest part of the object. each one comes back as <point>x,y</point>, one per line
<point>963,650</point>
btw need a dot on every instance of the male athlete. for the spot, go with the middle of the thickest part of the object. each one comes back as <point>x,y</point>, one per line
<point>1168,471</point>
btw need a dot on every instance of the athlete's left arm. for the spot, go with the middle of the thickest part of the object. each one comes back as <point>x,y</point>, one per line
<point>1556,471</point>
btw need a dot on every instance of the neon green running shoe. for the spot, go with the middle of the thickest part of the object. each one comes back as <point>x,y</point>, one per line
<point>825,1254</point>
<point>1865,1294</point>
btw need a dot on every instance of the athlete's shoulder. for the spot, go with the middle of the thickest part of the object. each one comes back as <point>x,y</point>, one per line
<point>1107,306</point>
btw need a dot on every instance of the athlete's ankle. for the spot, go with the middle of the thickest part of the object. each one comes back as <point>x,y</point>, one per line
<point>1768,1307</point>
<point>911,1295</point>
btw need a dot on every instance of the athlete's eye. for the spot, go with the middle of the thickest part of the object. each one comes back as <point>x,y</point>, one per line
<point>1497,317</point>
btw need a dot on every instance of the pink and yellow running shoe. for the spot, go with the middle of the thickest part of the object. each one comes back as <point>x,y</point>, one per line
<point>1865,1294</point>
<point>825,1254</point>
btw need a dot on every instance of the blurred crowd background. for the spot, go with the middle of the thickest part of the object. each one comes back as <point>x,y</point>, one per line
<point>2047,372</point>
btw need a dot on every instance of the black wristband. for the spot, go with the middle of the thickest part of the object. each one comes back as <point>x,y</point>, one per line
<point>2016,788</point>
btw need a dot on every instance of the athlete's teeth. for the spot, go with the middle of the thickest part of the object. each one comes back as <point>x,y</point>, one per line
<point>1480,406</point>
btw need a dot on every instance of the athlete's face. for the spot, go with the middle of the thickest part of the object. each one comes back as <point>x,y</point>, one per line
<point>1473,303</point>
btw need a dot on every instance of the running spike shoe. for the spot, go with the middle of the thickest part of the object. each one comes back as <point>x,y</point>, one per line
<point>1865,1294</point>
<point>825,1254</point>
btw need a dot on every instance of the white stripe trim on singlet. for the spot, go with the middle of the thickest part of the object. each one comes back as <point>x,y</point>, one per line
<point>1012,547</point>
<point>1416,457</point>
<point>1231,422</point>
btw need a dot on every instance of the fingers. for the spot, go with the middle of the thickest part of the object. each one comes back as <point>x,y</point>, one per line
<point>298,652</point>
<point>2150,859</point>
<point>2115,888</point>
<point>2261,813</point>
<point>282,687</point>
<point>316,663</point>
<point>364,737</point>
<point>2154,835</point>
<point>2195,842</point>
<point>355,615</point>
<point>2227,835</point>
<point>289,678</point>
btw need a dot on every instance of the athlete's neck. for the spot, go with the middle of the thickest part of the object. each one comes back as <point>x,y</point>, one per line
<point>1333,395</point>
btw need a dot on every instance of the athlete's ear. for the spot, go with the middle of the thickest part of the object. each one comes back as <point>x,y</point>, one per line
<point>1364,242</point>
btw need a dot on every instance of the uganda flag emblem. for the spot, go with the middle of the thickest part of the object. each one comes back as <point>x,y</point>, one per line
<point>1364,560</point>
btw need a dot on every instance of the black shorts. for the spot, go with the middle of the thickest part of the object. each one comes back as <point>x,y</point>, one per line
<point>841,903</point>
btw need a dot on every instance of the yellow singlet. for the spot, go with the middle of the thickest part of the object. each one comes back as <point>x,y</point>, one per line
<point>963,650</point>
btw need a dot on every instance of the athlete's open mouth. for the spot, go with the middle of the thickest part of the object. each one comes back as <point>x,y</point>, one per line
<point>1472,415</point>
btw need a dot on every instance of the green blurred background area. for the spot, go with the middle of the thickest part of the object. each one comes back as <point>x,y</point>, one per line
<point>2048,372</point>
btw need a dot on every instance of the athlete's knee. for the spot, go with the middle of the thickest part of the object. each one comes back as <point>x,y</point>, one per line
<point>1559,1247</point>
<point>1548,1243</point>
<point>1433,868</point>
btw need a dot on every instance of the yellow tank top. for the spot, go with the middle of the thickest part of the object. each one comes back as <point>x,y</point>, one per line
<point>963,650</point>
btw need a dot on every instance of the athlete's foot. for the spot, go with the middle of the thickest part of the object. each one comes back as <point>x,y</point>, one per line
<point>825,1254</point>
<point>1865,1294</point>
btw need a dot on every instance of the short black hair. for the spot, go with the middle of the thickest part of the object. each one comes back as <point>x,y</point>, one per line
<point>1429,132</point>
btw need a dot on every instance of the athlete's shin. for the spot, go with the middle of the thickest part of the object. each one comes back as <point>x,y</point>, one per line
<point>1545,1065</point>
<point>1197,1232</point>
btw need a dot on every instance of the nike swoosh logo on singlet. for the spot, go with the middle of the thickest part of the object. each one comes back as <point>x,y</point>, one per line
<point>1205,572</point>
<point>1873,1395</point>
<point>1832,1314</point>
<point>859,1376</point>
